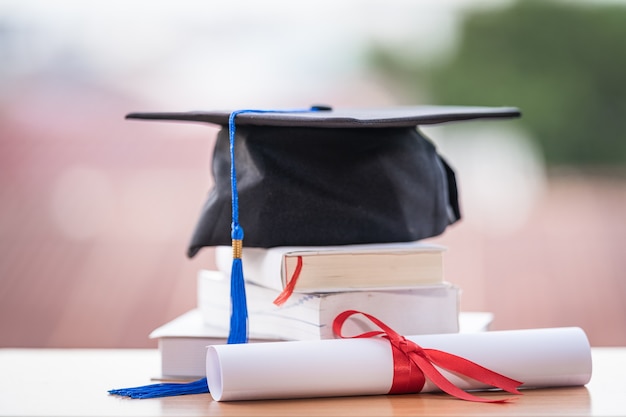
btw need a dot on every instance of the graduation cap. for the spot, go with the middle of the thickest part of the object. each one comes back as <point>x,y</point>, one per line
<point>323,176</point>
<point>319,176</point>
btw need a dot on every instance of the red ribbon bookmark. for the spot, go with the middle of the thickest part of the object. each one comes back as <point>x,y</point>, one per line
<point>291,284</point>
<point>413,364</point>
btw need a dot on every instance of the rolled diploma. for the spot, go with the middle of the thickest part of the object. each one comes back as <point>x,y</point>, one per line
<point>343,367</point>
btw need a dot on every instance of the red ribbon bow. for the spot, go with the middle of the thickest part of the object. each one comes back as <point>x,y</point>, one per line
<point>413,364</point>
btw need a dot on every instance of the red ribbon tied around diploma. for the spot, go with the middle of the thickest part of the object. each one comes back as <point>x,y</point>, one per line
<point>413,364</point>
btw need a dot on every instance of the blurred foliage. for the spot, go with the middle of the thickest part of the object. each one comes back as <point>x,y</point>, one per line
<point>563,64</point>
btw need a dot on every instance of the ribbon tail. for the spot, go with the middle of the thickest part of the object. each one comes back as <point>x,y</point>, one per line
<point>448,387</point>
<point>473,370</point>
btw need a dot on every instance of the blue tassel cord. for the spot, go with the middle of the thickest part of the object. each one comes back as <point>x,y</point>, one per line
<point>163,390</point>
<point>238,332</point>
<point>239,310</point>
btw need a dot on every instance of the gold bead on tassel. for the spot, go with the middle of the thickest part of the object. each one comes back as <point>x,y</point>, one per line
<point>237,248</point>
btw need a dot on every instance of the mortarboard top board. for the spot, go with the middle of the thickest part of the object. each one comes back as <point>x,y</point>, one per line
<point>326,117</point>
<point>330,176</point>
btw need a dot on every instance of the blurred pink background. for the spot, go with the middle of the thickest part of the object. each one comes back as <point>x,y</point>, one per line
<point>96,211</point>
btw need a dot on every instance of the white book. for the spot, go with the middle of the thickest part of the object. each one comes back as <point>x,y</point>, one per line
<point>183,342</point>
<point>417,310</point>
<point>340,268</point>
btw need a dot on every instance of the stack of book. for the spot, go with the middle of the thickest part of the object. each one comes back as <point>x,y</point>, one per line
<point>401,284</point>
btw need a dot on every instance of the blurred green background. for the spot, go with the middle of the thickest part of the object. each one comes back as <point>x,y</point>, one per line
<point>562,63</point>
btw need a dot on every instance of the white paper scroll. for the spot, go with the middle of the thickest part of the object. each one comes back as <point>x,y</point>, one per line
<point>341,367</point>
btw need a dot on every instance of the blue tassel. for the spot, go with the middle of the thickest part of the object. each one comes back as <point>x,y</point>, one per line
<point>238,332</point>
<point>239,313</point>
<point>164,390</point>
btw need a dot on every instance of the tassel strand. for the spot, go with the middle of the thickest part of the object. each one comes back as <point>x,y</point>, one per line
<point>163,389</point>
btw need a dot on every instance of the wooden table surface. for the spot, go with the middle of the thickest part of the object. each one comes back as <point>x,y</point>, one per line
<point>74,382</point>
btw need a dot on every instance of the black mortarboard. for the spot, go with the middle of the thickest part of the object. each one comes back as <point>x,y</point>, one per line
<point>330,177</point>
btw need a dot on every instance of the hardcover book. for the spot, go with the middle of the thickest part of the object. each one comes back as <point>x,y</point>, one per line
<point>340,268</point>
